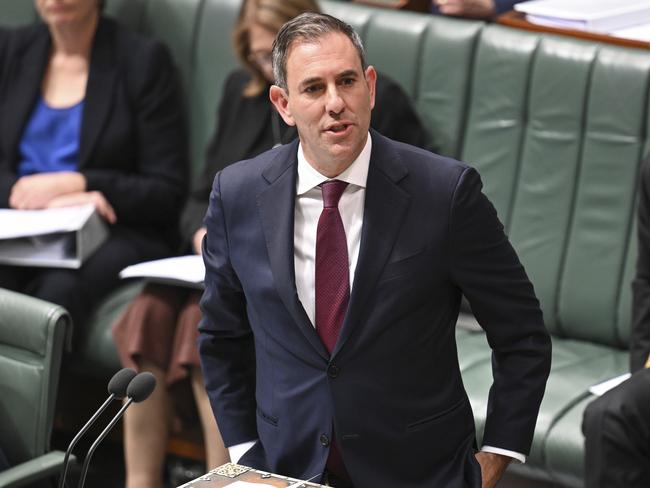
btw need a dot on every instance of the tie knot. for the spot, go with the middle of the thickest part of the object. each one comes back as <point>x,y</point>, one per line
<point>332,191</point>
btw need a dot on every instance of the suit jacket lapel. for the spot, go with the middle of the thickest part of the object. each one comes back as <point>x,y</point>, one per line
<point>385,206</point>
<point>276,205</point>
<point>99,90</point>
<point>27,80</point>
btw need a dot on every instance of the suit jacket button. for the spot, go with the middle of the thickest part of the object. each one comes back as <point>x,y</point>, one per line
<point>333,371</point>
<point>324,440</point>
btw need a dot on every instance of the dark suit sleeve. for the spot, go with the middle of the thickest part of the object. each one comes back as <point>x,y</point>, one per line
<point>7,176</point>
<point>194,211</point>
<point>394,115</point>
<point>640,337</point>
<point>485,266</point>
<point>502,6</point>
<point>226,344</point>
<point>155,191</point>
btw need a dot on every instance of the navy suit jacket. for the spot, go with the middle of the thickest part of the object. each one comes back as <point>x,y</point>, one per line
<point>391,390</point>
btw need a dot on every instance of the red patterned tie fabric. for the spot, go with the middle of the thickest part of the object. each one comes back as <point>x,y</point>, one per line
<point>332,286</point>
<point>332,266</point>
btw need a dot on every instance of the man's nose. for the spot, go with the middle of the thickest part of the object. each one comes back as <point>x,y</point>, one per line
<point>334,103</point>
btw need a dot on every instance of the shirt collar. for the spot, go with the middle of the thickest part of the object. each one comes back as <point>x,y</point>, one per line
<point>355,174</point>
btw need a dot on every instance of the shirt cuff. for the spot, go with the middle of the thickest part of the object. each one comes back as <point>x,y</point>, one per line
<point>517,456</point>
<point>238,450</point>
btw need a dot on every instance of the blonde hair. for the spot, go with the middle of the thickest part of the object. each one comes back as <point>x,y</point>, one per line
<point>272,15</point>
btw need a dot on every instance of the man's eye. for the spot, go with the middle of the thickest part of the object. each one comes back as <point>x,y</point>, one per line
<point>347,81</point>
<point>312,88</point>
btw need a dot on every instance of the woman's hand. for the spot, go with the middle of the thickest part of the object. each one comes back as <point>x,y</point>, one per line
<point>479,9</point>
<point>36,191</point>
<point>197,239</point>
<point>83,198</point>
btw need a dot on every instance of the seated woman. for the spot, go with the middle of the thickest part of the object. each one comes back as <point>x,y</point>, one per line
<point>88,115</point>
<point>158,331</point>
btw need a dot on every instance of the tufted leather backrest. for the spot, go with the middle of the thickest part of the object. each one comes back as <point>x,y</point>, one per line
<point>32,336</point>
<point>555,125</point>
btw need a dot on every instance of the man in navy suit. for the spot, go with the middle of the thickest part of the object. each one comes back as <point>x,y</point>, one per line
<point>335,267</point>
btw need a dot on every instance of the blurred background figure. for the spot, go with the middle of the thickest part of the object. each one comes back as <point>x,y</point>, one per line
<point>158,331</point>
<point>89,115</point>
<point>476,9</point>
<point>617,424</point>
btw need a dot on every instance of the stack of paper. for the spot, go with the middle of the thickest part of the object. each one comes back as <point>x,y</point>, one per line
<point>188,271</point>
<point>57,237</point>
<point>589,15</point>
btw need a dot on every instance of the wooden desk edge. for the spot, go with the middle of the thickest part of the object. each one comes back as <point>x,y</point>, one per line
<point>518,20</point>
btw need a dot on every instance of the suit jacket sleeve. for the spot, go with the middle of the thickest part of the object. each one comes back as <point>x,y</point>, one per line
<point>7,177</point>
<point>640,337</point>
<point>194,211</point>
<point>226,344</point>
<point>485,266</point>
<point>154,191</point>
<point>502,6</point>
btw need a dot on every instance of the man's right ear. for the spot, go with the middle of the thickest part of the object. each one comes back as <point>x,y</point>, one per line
<point>280,100</point>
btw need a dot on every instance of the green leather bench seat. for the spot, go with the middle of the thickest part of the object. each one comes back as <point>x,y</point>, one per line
<point>576,366</point>
<point>565,446</point>
<point>556,126</point>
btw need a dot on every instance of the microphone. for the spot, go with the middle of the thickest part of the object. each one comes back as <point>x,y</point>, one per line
<point>117,388</point>
<point>138,390</point>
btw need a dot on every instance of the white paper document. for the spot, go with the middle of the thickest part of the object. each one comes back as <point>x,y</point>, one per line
<point>182,271</point>
<point>56,238</point>
<point>29,223</point>
<point>590,15</point>
<point>602,388</point>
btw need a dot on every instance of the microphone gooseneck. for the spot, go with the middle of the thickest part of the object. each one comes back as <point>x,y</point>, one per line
<point>117,387</point>
<point>138,390</point>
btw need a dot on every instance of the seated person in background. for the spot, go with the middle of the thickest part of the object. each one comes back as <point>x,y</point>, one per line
<point>89,115</point>
<point>476,9</point>
<point>617,425</point>
<point>158,331</point>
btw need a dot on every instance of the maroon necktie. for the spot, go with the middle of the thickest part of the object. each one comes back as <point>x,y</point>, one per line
<point>332,285</point>
<point>332,266</point>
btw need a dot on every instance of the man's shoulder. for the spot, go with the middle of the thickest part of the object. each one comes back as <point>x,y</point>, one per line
<point>417,160</point>
<point>264,167</point>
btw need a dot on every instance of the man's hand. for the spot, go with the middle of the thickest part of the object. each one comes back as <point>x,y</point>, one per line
<point>478,9</point>
<point>197,239</point>
<point>85,197</point>
<point>492,467</point>
<point>36,191</point>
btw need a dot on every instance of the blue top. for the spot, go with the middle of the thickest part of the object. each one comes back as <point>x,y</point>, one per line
<point>50,141</point>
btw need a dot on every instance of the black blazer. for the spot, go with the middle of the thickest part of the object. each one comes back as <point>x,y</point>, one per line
<point>133,144</point>
<point>392,387</point>
<point>245,129</point>
<point>640,338</point>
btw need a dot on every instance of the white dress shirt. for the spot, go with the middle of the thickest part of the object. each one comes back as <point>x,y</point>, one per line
<point>308,207</point>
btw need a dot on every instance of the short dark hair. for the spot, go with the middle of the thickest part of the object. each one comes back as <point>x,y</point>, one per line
<point>309,26</point>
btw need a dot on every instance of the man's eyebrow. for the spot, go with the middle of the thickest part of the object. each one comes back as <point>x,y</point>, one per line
<point>315,79</point>
<point>347,73</point>
<point>309,81</point>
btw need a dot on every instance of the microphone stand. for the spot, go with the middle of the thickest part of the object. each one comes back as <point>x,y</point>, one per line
<point>100,438</point>
<point>76,438</point>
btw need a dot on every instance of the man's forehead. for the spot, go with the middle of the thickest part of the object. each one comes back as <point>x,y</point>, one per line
<point>335,44</point>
